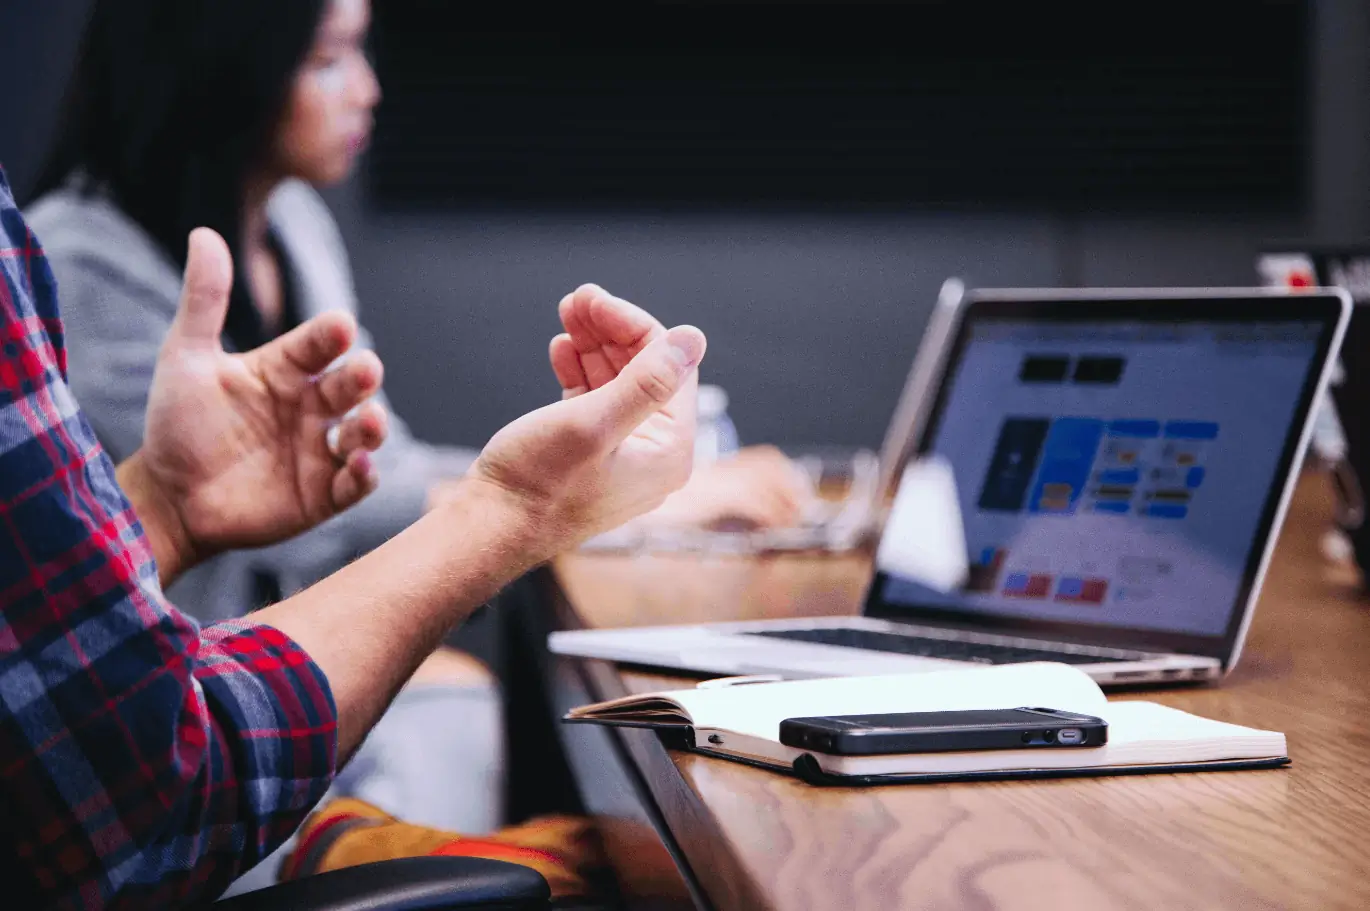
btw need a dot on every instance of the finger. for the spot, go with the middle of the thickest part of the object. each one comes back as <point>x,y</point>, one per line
<point>627,327</point>
<point>606,330</point>
<point>596,319</point>
<point>590,347</point>
<point>366,428</point>
<point>566,365</point>
<point>779,510</point>
<point>787,494</point>
<point>598,368</point>
<point>354,480</point>
<point>308,349</point>
<point>614,319</point>
<point>781,473</point>
<point>646,386</point>
<point>205,290</point>
<point>576,328</point>
<point>350,384</point>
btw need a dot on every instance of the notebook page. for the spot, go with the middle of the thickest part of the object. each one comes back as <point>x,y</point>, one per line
<point>1147,731</point>
<point>1139,734</point>
<point>758,709</point>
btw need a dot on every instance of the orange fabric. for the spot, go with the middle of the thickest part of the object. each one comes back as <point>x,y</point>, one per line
<point>347,832</point>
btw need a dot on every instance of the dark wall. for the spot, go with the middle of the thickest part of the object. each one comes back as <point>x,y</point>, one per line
<point>38,41</point>
<point>1340,165</point>
<point>866,106</point>
<point>812,318</point>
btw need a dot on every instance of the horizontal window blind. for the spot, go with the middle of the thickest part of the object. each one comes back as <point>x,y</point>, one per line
<point>689,105</point>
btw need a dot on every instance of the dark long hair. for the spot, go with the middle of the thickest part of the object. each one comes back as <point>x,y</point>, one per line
<point>173,106</point>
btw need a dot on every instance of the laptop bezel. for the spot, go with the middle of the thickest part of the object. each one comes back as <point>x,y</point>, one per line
<point>902,433</point>
<point>1237,306</point>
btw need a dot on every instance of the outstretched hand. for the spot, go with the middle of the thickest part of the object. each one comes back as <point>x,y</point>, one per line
<point>243,450</point>
<point>621,439</point>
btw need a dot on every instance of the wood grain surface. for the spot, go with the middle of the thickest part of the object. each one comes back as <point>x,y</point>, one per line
<point>1290,838</point>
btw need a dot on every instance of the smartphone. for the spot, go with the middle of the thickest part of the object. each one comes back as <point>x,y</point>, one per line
<point>941,732</point>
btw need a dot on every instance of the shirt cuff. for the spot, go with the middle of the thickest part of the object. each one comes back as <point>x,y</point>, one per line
<point>276,709</point>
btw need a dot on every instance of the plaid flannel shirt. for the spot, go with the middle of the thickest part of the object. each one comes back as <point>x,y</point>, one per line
<point>144,762</point>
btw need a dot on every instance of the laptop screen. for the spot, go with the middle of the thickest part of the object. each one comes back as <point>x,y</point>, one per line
<point>1118,472</point>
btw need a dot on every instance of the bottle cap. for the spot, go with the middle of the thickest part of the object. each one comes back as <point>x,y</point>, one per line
<point>713,401</point>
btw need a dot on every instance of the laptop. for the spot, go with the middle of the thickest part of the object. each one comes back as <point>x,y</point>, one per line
<point>1122,462</point>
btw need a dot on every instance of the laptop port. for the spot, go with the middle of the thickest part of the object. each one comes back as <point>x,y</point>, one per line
<point>1175,671</point>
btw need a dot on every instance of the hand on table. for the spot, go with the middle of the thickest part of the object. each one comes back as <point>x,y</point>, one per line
<point>758,488</point>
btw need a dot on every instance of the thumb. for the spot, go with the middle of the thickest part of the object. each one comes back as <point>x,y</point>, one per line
<point>204,292</point>
<point>647,383</point>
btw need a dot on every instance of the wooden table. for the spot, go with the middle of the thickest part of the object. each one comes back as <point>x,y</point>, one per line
<point>749,839</point>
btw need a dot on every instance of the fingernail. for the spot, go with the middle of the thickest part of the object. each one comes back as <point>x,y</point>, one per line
<point>686,345</point>
<point>367,466</point>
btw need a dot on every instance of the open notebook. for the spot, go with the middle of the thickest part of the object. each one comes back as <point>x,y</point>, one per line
<point>742,722</point>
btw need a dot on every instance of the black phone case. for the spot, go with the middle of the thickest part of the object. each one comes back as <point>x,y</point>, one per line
<point>955,733</point>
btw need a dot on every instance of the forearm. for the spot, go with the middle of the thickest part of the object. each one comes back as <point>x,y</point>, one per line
<point>371,624</point>
<point>171,545</point>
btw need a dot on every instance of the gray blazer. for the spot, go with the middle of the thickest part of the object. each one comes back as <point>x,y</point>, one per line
<point>118,293</point>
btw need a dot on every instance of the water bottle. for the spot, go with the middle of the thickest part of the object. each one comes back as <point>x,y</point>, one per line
<point>715,433</point>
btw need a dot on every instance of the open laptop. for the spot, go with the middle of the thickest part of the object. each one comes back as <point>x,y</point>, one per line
<point>1123,463</point>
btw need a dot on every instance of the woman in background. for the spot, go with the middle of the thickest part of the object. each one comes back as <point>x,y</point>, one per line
<point>228,114</point>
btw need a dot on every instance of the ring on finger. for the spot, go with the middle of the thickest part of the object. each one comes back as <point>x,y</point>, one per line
<point>333,437</point>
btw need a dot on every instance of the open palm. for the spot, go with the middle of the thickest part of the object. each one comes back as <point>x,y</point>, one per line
<point>622,439</point>
<point>603,334</point>
<point>239,444</point>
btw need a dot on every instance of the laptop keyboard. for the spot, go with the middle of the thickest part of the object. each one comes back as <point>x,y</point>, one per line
<point>923,647</point>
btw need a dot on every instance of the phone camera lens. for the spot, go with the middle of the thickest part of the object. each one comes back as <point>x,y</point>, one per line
<point>1071,735</point>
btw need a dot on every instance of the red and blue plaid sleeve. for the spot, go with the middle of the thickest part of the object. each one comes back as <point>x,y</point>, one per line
<point>143,762</point>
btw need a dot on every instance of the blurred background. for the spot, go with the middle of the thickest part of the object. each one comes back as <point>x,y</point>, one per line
<point>797,178</point>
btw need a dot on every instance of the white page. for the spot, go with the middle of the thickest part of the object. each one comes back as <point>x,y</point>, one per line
<point>1139,734</point>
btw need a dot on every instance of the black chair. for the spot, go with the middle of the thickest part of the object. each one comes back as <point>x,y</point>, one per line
<point>411,884</point>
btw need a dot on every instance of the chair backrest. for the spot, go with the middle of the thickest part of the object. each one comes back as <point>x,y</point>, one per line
<point>409,884</point>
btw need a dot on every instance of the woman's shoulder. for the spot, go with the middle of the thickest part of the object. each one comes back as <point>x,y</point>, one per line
<point>85,234</point>
<point>296,210</point>
<point>306,228</point>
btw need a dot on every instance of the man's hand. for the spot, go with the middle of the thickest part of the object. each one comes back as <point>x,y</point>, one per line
<point>237,449</point>
<point>621,439</point>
